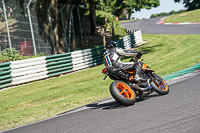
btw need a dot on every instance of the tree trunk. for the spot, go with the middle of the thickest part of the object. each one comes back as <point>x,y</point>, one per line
<point>129,14</point>
<point>92,17</point>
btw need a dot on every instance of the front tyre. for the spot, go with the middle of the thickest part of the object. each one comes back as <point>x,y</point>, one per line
<point>160,85</point>
<point>122,93</point>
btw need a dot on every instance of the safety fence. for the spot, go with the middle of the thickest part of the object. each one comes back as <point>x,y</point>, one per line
<point>32,30</point>
<point>129,41</point>
<point>23,71</point>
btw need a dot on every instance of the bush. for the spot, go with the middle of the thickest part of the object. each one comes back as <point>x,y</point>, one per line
<point>11,55</point>
<point>100,19</point>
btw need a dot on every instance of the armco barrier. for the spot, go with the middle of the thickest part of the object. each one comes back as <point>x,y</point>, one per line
<point>59,64</point>
<point>5,75</point>
<point>126,42</point>
<point>130,40</point>
<point>87,58</point>
<point>137,34</point>
<point>23,71</point>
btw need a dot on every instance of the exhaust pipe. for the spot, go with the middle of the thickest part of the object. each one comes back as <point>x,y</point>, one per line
<point>142,89</point>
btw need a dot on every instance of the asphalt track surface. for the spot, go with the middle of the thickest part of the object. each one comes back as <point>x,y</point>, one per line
<point>177,112</point>
<point>149,26</point>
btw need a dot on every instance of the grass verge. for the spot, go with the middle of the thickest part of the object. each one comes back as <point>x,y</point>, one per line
<point>190,16</point>
<point>121,21</point>
<point>48,98</point>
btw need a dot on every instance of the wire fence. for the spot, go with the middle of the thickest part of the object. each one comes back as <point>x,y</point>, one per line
<point>3,32</point>
<point>31,30</point>
<point>15,29</point>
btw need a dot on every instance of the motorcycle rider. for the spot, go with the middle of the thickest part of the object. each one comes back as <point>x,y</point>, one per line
<point>112,58</point>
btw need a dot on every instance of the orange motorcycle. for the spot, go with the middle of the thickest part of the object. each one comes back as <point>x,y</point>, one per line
<point>124,89</point>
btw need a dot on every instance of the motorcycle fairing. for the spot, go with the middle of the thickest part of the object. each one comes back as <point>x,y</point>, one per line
<point>145,68</point>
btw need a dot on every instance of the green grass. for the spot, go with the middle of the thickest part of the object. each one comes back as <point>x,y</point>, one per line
<point>190,16</point>
<point>48,98</point>
<point>170,53</point>
<point>121,21</point>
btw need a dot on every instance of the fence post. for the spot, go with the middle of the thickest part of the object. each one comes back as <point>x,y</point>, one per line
<point>104,37</point>
<point>7,27</point>
<point>31,26</point>
<point>113,31</point>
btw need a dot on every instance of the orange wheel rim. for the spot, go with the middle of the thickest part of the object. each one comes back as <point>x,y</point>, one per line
<point>163,86</point>
<point>125,90</point>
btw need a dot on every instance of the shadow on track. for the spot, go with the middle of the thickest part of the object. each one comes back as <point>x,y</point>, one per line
<point>111,104</point>
<point>116,105</point>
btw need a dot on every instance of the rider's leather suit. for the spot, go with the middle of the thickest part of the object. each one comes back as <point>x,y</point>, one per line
<point>112,58</point>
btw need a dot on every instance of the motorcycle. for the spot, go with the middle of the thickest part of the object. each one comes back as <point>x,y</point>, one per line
<point>125,89</point>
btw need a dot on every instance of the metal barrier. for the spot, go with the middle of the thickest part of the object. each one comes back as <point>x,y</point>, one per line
<point>131,40</point>
<point>59,64</point>
<point>23,71</point>
<point>5,75</point>
<point>28,70</point>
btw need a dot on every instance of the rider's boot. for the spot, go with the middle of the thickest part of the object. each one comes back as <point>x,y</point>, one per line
<point>138,74</point>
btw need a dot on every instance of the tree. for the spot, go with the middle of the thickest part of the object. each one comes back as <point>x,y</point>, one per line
<point>92,10</point>
<point>52,8</point>
<point>117,7</point>
<point>44,9</point>
<point>137,5</point>
<point>190,4</point>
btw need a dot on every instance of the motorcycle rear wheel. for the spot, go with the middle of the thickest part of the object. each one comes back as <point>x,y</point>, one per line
<point>160,85</point>
<point>122,93</point>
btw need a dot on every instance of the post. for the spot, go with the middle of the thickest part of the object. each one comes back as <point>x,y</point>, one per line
<point>7,27</point>
<point>104,37</point>
<point>113,31</point>
<point>31,26</point>
<point>106,22</point>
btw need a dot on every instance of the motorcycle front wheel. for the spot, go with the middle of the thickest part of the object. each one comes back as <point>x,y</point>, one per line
<point>122,93</point>
<point>160,85</point>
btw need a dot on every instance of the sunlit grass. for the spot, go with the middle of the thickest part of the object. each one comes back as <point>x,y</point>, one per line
<point>190,16</point>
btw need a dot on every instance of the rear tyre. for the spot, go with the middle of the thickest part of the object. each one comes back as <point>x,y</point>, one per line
<point>122,93</point>
<point>160,85</point>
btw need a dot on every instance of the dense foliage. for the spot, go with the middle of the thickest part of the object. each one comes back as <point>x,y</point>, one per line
<point>166,13</point>
<point>190,4</point>
<point>118,7</point>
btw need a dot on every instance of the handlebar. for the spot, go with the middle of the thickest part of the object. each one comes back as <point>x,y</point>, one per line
<point>136,58</point>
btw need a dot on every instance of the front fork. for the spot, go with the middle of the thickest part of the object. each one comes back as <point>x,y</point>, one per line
<point>155,78</point>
